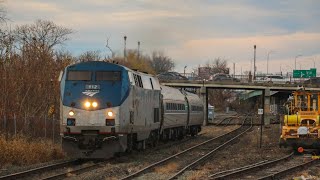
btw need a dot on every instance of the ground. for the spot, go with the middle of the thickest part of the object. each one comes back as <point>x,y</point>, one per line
<point>247,150</point>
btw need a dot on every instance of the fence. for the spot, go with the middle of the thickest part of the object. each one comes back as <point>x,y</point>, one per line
<point>31,126</point>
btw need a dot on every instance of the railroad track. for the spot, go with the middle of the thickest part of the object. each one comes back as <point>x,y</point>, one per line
<point>273,169</point>
<point>222,122</point>
<point>75,171</point>
<point>227,121</point>
<point>75,167</point>
<point>201,135</point>
<point>38,170</point>
<point>190,157</point>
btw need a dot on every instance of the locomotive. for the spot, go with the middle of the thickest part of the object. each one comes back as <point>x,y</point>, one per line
<point>106,108</point>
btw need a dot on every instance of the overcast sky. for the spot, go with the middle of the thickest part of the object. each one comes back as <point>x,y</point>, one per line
<point>190,32</point>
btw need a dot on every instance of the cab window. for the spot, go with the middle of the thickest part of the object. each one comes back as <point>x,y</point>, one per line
<point>108,76</point>
<point>79,75</point>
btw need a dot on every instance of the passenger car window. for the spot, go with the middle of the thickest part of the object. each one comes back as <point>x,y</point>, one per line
<point>79,75</point>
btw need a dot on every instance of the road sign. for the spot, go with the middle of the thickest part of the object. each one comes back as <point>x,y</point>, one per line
<point>305,73</point>
<point>260,111</point>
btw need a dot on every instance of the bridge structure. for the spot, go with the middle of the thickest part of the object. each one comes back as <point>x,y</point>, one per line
<point>266,89</point>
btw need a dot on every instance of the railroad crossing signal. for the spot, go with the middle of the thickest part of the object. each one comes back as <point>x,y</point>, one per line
<point>305,73</point>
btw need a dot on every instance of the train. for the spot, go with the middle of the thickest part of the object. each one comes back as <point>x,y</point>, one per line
<point>107,108</point>
<point>301,122</point>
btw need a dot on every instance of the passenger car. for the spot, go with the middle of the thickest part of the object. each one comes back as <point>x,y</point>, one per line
<point>224,77</point>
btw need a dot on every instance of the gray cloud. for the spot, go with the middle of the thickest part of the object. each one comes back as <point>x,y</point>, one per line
<point>186,30</point>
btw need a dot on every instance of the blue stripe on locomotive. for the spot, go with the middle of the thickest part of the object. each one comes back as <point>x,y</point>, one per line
<point>114,92</point>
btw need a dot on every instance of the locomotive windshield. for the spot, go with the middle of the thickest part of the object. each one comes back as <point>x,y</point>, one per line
<point>79,75</point>
<point>108,76</point>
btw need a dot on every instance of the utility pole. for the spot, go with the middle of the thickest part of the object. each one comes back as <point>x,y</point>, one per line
<point>125,48</point>
<point>295,61</point>
<point>234,69</point>
<point>138,50</point>
<point>254,63</point>
<point>314,63</point>
<point>268,60</point>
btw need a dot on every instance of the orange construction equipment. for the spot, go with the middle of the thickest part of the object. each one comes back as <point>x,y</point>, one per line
<point>301,124</point>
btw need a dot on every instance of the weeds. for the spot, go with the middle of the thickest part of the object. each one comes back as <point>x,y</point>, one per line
<point>21,150</point>
<point>171,167</point>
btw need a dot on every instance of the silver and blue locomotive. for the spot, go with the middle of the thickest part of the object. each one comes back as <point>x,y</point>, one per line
<point>108,108</point>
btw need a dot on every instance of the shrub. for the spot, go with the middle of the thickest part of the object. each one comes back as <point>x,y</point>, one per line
<point>21,150</point>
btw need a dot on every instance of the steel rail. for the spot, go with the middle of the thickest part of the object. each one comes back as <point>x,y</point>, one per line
<point>145,169</point>
<point>37,170</point>
<point>236,169</point>
<point>249,168</point>
<point>75,171</point>
<point>289,170</point>
<point>220,122</point>
<point>207,155</point>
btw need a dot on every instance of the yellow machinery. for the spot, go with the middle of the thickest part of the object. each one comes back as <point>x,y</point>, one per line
<point>301,124</point>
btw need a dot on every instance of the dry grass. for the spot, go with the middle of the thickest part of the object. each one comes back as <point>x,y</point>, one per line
<point>196,175</point>
<point>23,151</point>
<point>171,167</point>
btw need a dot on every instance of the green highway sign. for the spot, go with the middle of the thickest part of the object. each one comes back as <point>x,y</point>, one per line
<point>305,73</point>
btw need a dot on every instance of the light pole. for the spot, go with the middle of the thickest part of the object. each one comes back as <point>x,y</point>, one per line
<point>268,60</point>
<point>125,50</point>
<point>314,62</point>
<point>184,70</point>
<point>254,62</point>
<point>300,72</point>
<point>138,50</point>
<point>295,61</point>
<point>299,65</point>
<point>234,69</point>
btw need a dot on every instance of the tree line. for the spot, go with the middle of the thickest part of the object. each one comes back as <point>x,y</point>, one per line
<point>31,59</point>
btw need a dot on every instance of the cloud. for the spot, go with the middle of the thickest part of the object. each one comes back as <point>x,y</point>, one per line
<point>188,31</point>
<point>240,49</point>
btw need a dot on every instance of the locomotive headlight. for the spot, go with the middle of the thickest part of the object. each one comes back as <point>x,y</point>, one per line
<point>94,104</point>
<point>71,113</point>
<point>110,113</point>
<point>87,104</point>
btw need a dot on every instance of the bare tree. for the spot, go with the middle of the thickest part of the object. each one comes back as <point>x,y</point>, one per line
<point>161,63</point>
<point>107,45</point>
<point>220,98</point>
<point>64,58</point>
<point>218,65</point>
<point>90,56</point>
<point>3,12</point>
<point>29,76</point>
<point>43,34</point>
<point>141,62</point>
